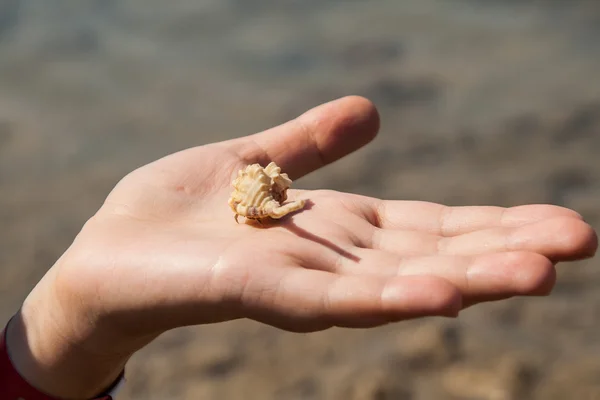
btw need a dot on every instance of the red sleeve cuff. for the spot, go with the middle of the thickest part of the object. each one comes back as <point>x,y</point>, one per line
<point>13,386</point>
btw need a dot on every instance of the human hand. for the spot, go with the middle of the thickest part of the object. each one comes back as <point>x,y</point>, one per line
<point>164,251</point>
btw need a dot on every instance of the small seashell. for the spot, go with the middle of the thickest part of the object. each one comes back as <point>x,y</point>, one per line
<point>261,192</point>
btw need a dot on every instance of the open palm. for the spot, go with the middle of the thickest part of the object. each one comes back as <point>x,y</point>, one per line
<point>166,251</point>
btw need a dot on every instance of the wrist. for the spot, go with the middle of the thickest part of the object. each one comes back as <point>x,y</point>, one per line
<point>55,357</point>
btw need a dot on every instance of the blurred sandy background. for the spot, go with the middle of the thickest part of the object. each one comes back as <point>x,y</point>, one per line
<point>482,102</point>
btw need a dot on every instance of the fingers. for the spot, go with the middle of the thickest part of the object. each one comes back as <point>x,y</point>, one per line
<point>318,137</point>
<point>451,221</point>
<point>350,299</point>
<point>558,238</point>
<point>561,239</point>
<point>496,275</point>
<point>308,300</point>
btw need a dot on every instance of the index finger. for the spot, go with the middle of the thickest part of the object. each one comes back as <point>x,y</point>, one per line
<point>447,221</point>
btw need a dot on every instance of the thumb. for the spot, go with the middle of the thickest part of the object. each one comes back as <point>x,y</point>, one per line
<point>318,137</point>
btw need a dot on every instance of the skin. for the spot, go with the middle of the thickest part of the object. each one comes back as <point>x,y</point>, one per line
<point>164,251</point>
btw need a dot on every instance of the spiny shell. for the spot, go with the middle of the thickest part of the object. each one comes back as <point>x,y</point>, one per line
<point>260,193</point>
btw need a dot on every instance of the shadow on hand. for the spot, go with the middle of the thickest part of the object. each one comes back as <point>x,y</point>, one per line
<point>288,223</point>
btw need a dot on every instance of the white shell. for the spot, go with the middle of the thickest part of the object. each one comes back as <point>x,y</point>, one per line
<point>260,193</point>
